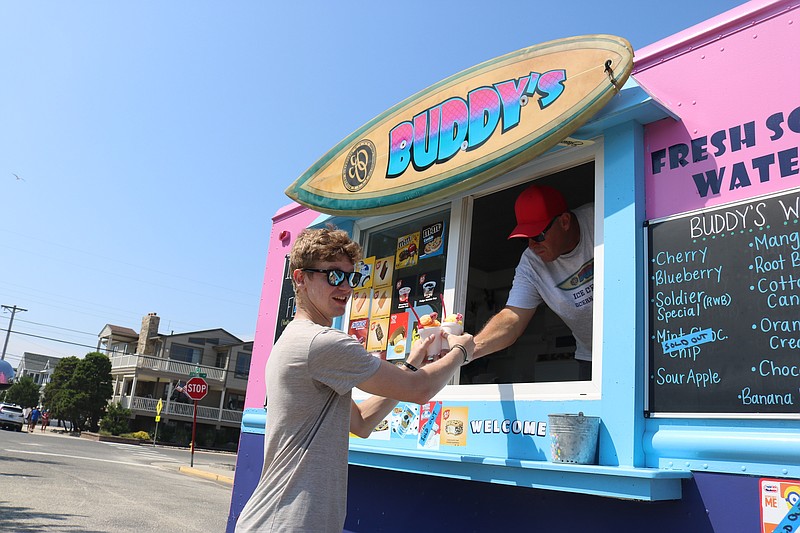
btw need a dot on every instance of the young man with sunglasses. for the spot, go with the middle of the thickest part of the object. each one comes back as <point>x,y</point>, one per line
<point>557,268</point>
<point>309,377</point>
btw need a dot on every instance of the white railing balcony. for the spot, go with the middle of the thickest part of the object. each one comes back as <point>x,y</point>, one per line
<point>168,366</point>
<point>205,413</point>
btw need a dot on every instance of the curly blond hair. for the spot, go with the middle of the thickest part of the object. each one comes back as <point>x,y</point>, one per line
<point>326,244</point>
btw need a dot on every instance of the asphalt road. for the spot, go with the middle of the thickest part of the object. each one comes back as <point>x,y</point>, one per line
<point>59,483</point>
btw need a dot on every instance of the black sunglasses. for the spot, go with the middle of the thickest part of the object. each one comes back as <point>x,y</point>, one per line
<point>336,277</point>
<point>541,237</point>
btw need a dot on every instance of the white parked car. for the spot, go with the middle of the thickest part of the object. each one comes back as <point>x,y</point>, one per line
<point>11,416</point>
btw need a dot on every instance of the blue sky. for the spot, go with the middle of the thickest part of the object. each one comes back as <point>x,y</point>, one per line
<point>153,140</point>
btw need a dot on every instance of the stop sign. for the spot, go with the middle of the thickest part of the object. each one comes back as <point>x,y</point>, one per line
<point>196,388</point>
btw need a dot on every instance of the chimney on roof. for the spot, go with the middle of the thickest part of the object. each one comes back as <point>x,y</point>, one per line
<point>149,329</point>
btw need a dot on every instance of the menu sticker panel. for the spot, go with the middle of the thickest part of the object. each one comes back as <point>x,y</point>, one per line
<point>378,330</point>
<point>366,268</point>
<point>358,330</point>
<point>407,251</point>
<point>384,268</point>
<point>780,505</point>
<point>454,426</point>
<point>359,306</point>
<point>432,240</point>
<point>430,423</point>
<point>397,347</point>
<point>429,287</point>
<point>403,293</point>
<point>381,302</point>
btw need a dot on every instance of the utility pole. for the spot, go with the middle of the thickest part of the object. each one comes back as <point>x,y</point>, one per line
<point>13,310</point>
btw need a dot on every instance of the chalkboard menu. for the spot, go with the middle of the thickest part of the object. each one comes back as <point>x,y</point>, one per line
<point>724,311</point>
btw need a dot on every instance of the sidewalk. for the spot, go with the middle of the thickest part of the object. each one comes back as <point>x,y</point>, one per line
<point>203,467</point>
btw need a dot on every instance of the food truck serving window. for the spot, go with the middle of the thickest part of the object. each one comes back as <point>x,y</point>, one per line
<point>406,276</point>
<point>546,350</point>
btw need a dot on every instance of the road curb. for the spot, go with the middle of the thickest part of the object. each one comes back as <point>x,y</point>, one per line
<point>206,475</point>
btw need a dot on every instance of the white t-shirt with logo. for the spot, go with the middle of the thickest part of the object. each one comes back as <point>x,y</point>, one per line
<point>566,285</point>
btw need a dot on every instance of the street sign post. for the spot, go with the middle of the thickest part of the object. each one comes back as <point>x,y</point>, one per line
<point>159,407</point>
<point>196,389</point>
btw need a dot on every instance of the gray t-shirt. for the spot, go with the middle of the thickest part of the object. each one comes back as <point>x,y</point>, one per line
<point>566,285</point>
<point>309,377</point>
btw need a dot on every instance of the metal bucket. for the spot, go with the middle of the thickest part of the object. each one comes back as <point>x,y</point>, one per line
<point>573,438</point>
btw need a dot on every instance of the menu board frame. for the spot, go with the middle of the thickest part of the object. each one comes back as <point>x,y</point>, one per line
<point>745,296</point>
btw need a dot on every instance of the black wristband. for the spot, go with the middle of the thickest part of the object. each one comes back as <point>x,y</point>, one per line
<point>410,366</point>
<point>464,351</point>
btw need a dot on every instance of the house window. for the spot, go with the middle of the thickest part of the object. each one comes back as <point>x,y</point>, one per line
<point>221,357</point>
<point>242,364</point>
<point>235,402</point>
<point>187,354</point>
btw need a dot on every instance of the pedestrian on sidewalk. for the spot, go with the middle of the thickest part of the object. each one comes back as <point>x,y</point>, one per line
<point>45,420</point>
<point>35,414</point>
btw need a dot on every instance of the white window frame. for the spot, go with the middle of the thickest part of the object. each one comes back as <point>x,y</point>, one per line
<point>457,270</point>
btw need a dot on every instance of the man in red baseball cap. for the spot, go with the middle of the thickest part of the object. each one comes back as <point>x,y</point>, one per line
<point>557,268</point>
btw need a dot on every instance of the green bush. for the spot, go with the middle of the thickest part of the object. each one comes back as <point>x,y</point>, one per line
<point>115,421</point>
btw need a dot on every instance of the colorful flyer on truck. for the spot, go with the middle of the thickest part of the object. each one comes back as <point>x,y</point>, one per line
<point>429,287</point>
<point>378,331</point>
<point>359,307</point>
<point>366,267</point>
<point>432,237</point>
<point>779,497</point>
<point>358,330</point>
<point>398,332</point>
<point>407,251</point>
<point>384,268</point>
<point>381,302</point>
<point>454,426</point>
<point>403,293</point>
<point>430,423</point>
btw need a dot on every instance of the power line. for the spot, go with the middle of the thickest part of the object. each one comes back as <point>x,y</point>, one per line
<point>13,310</point>
<point>54,340</point>
<point>57,327</point>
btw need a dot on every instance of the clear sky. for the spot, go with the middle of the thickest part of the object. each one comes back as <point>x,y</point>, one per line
<point>145,146</point>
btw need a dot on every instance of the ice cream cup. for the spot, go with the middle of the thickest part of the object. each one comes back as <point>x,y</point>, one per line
<point>452,328</point>
<point>435,347</point>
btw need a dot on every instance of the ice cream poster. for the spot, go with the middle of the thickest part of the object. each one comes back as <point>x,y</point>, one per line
<point>378,330</point>
<point>359,307</point>
<point>384,268</point>
<point>407,250</point>
<point>381,302</point>
<point>403,293</point>
<point>398,333</point>
<point>432,240</point>
<point>779,497</point>
<point>430,423</point>
<point>366,267</point>
<point>381,431</point>
<point>454,426</point>
<point>404,420</point>
<point>429,287</point>
<point>358,330</point>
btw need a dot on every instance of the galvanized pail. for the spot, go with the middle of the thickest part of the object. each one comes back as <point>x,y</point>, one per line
<point>573,438</point>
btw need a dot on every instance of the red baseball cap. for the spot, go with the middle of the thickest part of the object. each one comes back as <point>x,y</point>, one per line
<point>535,207</point>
